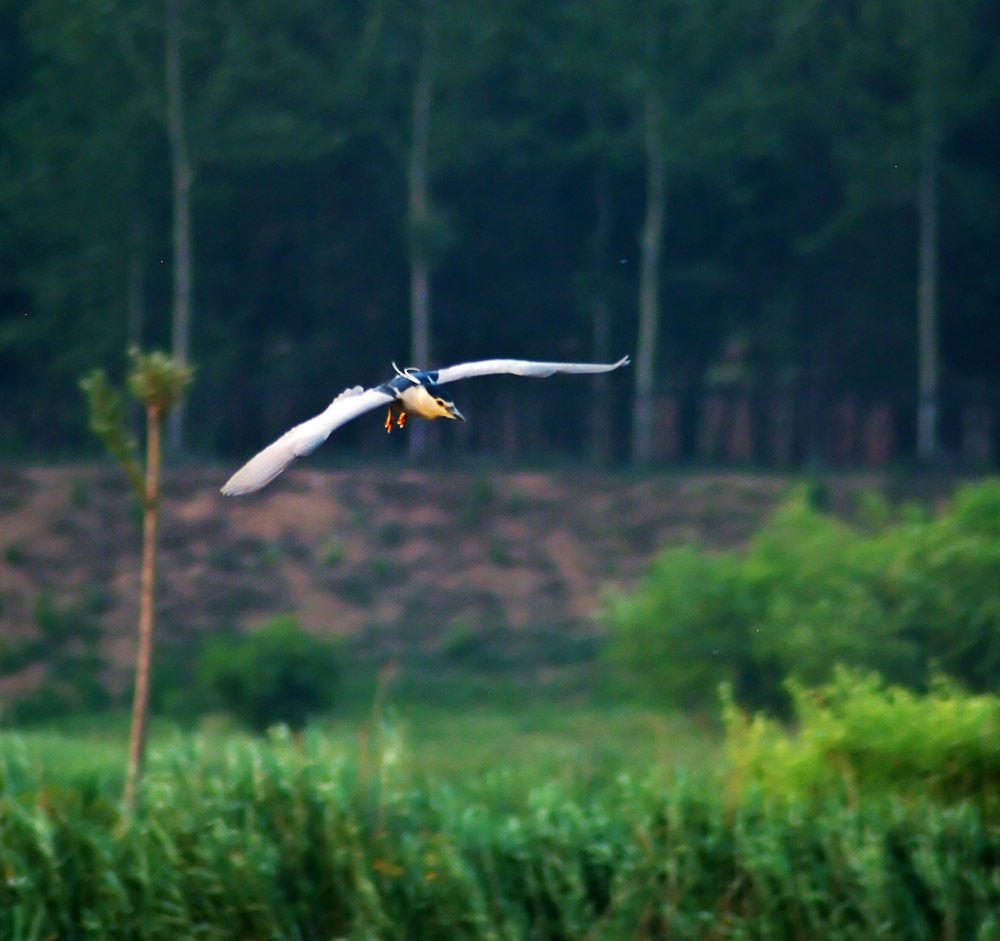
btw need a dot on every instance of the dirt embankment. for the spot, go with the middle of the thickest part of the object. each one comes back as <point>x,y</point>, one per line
<point>405,562</point>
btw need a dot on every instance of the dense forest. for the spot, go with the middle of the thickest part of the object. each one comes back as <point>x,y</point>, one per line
<point>785,212</point>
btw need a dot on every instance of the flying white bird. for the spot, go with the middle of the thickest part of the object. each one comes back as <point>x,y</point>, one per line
<point>410,392</point>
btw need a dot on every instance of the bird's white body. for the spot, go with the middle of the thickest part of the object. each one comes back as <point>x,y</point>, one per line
<point>411,390</point>
<point>416,400</point>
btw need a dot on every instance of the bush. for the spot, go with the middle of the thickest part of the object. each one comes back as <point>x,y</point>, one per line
<point>62,624</point>
<point>859,734</point>
<point>821,598</point>
<point>67,642</point>
<point>685,629</point>
<point>279,673</point>
<point>906,597</point>
<point>945,586</point>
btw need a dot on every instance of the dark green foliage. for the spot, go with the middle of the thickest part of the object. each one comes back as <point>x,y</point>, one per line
<point>279,673</point>
<point>67,643</point>
<point>60,624</point>
<point>389,534</point>
<point>685,629</point>
<point>797,157</point>
<point>157,380</point>
<point>289,840</point>
<point>475,502</point>
<point>333,553</point>
<point>17,654</point>
<point>905,598</point>
<point>944,590</point>
<point>106,409</point>
<point>73,687</point>
<point>79,496</point>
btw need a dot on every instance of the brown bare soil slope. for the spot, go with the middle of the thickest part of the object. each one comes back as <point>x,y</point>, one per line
<point>407,563</point>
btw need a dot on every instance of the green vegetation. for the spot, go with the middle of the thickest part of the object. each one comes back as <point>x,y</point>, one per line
<point>584,746</point>
<point>816,142</point>
<point>909,597</point>
<point>279,673</point>
<point>332,835</point>
<point>157,382</point>
<point>858,735</point>
<point>67,643</point>
<point>333,553</point>
<point>872,813</point>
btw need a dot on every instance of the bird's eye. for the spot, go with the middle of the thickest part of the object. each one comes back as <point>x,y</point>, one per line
<point>440,402</point>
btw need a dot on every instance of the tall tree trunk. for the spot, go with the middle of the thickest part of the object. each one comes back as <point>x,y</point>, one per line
<point>144,656</point>
<point>601,426</point>
<point>182,179</point>
<point>136,287</point>
<point>417,173</point>
<point>649,279</point>
<point>927,277</point>
<point>602,411</point>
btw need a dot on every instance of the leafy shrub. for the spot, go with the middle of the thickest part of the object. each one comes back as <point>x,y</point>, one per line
<point>473,505</point>
<point>820,598</point>
<point>945,586</point>
<point>858,733</point>
<point>60,624</point>
<point>279,673</point>
<point>17,654</point>
<point>333,553</point>
<point>73,686</point>
<point>906,597</point>
<point>684,630</point>
<point>67,640</point>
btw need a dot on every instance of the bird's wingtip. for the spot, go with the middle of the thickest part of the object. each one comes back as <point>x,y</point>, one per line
<point>260,470</point>
<point>229,489</point>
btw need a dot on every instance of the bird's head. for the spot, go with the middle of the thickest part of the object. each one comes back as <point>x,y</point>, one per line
<point>445,407</point>
<point>427,401</point>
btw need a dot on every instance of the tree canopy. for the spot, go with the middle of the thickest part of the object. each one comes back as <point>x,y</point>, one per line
<point>785,145</point>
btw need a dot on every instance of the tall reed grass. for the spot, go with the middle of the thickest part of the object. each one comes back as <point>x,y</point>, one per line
<point>295,839</point>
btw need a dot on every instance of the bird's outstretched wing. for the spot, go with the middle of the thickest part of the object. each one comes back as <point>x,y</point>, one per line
<point>519,367</point>
<point>302,439</point>
<point>265,466</point>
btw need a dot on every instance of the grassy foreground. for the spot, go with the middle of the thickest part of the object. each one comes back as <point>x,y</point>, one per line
<point>388,836</point>
<point>582,745</point>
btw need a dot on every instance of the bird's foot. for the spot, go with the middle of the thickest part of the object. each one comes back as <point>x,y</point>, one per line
<point>401,421</point>
<point>388,422</point>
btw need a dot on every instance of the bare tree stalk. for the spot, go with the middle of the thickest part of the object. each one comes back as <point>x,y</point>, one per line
<point>143,664</point>
<point>136,288</point>
<point>602,424</point>
<point>183,176</point>
<point>649,279</point>
<point>602,418</point>
<point>420,288</point>
<point>927,314</point>
<point>136,272</point>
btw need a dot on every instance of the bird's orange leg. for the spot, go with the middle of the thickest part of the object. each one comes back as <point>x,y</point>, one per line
<point>396,416</point>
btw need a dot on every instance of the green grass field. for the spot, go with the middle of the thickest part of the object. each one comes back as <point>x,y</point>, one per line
<point>581,745</point>
<point>540,823</point>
